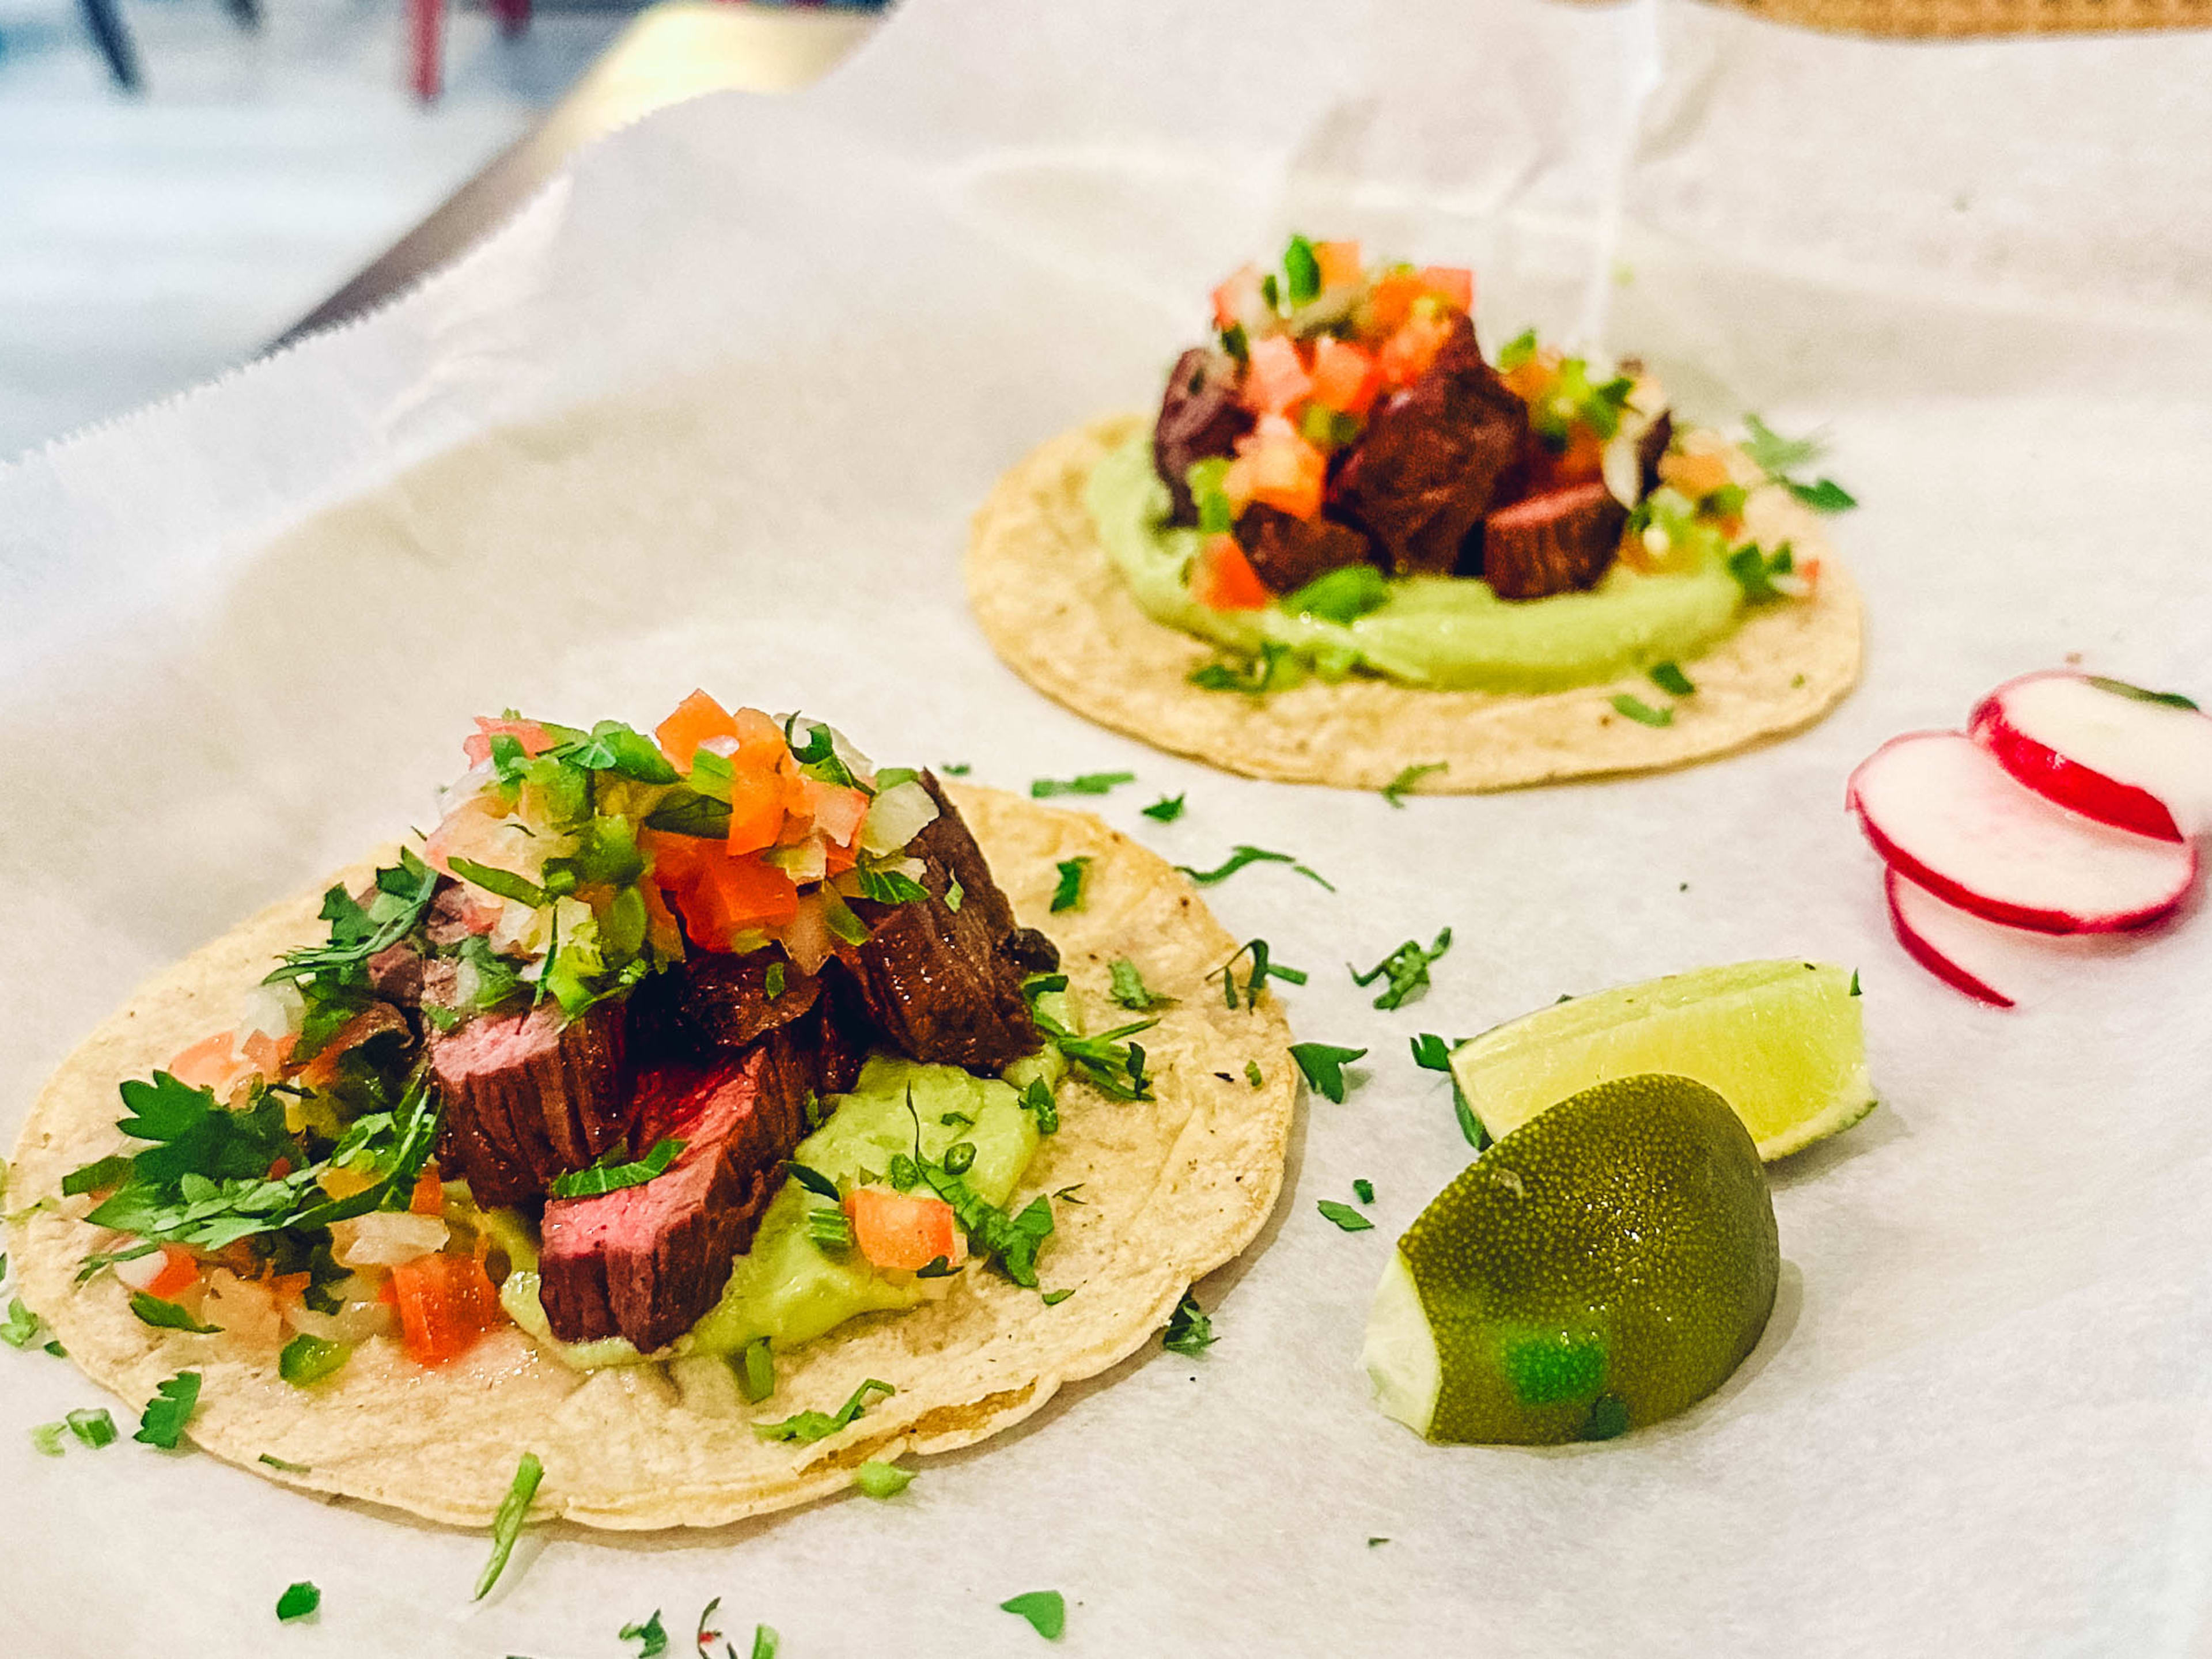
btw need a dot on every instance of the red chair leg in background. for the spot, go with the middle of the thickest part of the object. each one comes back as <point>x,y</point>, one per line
<point>426,31</point>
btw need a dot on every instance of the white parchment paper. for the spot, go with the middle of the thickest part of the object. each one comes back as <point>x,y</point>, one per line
<point>716,411</point>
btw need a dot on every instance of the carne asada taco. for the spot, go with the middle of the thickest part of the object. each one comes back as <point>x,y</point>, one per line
<point>1350,549</point>
<point>703,1116</point>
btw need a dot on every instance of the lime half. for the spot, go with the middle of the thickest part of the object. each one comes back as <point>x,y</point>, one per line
<point>1782,1042</point>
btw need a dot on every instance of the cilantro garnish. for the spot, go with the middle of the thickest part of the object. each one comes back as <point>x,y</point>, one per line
<point>1433,1054</point>
<point>955,895</point>
<point>1640,711</point>
<point>504,883</point>
<point>1244,856</point>
<point>1364,1190</point>
<point>507,1525</point>
<point>880,1480</point>
<point>168,1315</point>
<point>1406,970</point>
<point>46,1439</point>
<point>93,1427</point>
<point>298,1601</point>
<point>889,887</point>
<point>1166,809</point>
<point>1264,968</point>
<point>1119,1073</point>
<point>162,1422</point>
<point>1775,456</point>
<point>1129,988</point>
<point>1090,783</point>
<point>1754,570</point>
<point>614,1171</point>
<point>99,1260</point>
<point>1010,1241</point>
<point>649,1634</point>
<point>1669,677</point>
<point>2121,687</point>
<point>1046,1610</point>
<point>765,1642</point>
<point>273,1462</point>
<point>814,1181</point>
<point>1252,1074</point>
<point>1302,269</point>
<point>1190,1329</point>
<point>1344,1216</point>
<point>1323,1065</point>
<point>308,1359</point>
<point>1395,791</point>
<point>1053,1298</point>
<point>1037,1101</point>
<point>956,769</point>
<point>817,756</point>
<point>1068,894</point>
<point>1275,669</point>
<point>1343,595</point>
<point>804,1428</point>
<point>1520,348</point>
<point>831,1230</point>
<point>21,1327</point>
<point>756,1376</point>
<point>838,916</point>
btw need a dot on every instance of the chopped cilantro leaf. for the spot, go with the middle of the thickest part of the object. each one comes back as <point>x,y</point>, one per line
<point>815,1182</point>
<point>21,1327</point>
<point>56,1349</point>
<point>1011,1241</point>
<point>1433,1054</point>
<point>880,1480</point>
<point>1190,1329</point>
<point>956,769</point>
<point>504,883</point>
<point>1772,453</point>
<point>765,1642</point>
<point>168,1315</point>
<point>1301,270</point>
<point>1344,1216</point>
<point>1094,1059</point>
<point>1855,981</point>
<point>1068,894</point>
<point>1641,712</point>
<point>1046,1610</point>
<point>1754,570</point>
<point>756,1375</point>
<point>804,1428</point>
<point>1037,1100</point>
<point>615,1171</point>
<point>1323,1065</point>
<point>772,981</point>
<point>308,1359</point>
<point>1823,495</point>
<point>1401,786</point>
<point>1053,1298</point>
<point>46,1439</point>
<point>1241,857</point>
<point>1090,783</point>
<point>1343,595</point>
<point>1406,971</point>
<point>1274,669</point>
<point>831,1230</point>
<point>2121,687</point>
<point>96,1177</point>
<point>507,1525</point>
<point>298,1601</point>
<point>1264,968</point>
<point>162,1422</point>
<point>1364,1191</point>
<point>1129,988</point>
<point>1669,677</point>
<point>890,886</point>
<point>93,1427</point>
<point>649,1634</point>
<point>1166,809</point>
<point>1518,350</point>
<point>1252,1073</point>
<point>99,1260</point>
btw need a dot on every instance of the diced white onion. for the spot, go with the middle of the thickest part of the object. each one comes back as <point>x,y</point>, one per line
<point>275,1011</point>
<point>385,1238</point>
<point>808,861</point>
<point>142,1271</point>
<point>897,816</point>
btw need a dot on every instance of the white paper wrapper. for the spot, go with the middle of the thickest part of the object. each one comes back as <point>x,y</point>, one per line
<point>716,409</point>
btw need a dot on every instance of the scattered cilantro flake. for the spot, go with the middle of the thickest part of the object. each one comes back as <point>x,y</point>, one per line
<point>1068,894</point>
<point>1252,1074</point>
<point>650,1636</point>
<point>56,1349</point>
<point>1037,1100</point>
<point>1433,1054</point>
<point>881,1480</point>
<point>1129,988</point>
<point>504,883</point>
<point>1088,783</point>
<point>168,1315</point>
<point>2122,688</point>
<point>298,1601</point>
<point>889,886</point>
<point>1404,970</point>
<point>1053,1298</point>
<point>1855,981</point>
<point>1189,1329</point>
<point>162,1422</point>
<point>1823,494</point>
<point>507,1525</point>
<point>1264,968</point>
<point>1754,570</point>
<point>1372,1542</point>
<point>841,921</point>
<point>814,1181</point>
<point>707,1632</point>
<point>831,1230</point>
<point>21,1327</point>
<point>308,1359</point>
<point>46,1439</point>
<point>1275,669</point>
<point>1772,453</point>
<point>1323,1065</point>
<point>955,895</point>
<point>93,1426</point>
<point>1395,791</point>
<point>956,769</point>
<point>1095,1059</point>
<point>1302,274</point>
<point>804,1428</point>
<point>765,1642</point>
<point>1669,677</point>
<point>1344,1216</point>
<point>1068,1194</point>
<point>1166,809</point>
<point>1241,857</point>
<point>1364,1191</point>
<point>772,981</point>
<point>1640,711</point>
<point>615,1171</point>
<point>756,1375</point>
<point>274,1463</point>
<point>1046,1610</point>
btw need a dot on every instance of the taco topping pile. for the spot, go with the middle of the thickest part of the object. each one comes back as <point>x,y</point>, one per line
<point>571,1049</point>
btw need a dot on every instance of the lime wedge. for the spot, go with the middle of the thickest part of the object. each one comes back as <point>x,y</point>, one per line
<point>1781,1042</point>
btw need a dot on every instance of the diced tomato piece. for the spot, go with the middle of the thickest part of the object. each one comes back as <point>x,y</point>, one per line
<point>1287,472</point>
<point>1238,299</point>
<point>695,722</point>
<point>760,741</point>
<point>534,739</point>
<point>1695,476</point>
<point>837,811</point>
<point>1275,380</point>
<point>1345,378</point>
<point>1223,579</point>
<point>900,1230</point>
<point>1582,462</point>
<point>1453,284</point>
<point>757,808</point>
<point>213,1062</point>
<point>429,1197</point>
<point>445,1302</point>
<point>167,1273</point>
<point>1407,355</point>
<point>267,1053</point>
<point>1237,485</point>
<point>1391,301</point>
<point>1339,263</point>
<point>729,896</point>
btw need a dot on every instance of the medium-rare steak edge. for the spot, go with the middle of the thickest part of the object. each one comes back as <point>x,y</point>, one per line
<point>530,1094</point>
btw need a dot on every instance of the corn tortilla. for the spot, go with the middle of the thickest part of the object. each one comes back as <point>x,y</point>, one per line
<point>1055,610</point>
<point>1172,1187</point>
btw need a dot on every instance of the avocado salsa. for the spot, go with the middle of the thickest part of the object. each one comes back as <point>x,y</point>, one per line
<point>1341,483</point>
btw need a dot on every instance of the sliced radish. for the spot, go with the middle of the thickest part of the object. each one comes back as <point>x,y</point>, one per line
<point>1939,809</point>
<point>2104,749</point>
<point>1988,961</point>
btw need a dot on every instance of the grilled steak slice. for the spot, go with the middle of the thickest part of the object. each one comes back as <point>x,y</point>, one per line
<point>1286,553</point>
<point>1651,447</point>
<point>1200,418</point>
<point>711,1003</point>
<point>1551,544</point>
<point>644,1262</point>
<point>1430,463</point>
<point>530,1094</point>
<point>940,985</point>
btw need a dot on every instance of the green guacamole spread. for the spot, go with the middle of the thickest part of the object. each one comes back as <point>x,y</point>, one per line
<point>1447,632</point>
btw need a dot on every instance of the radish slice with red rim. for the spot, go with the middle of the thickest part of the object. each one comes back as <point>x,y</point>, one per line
<point>2103,748</point>
<point>1939,809</point>
<point>1988,961</point>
